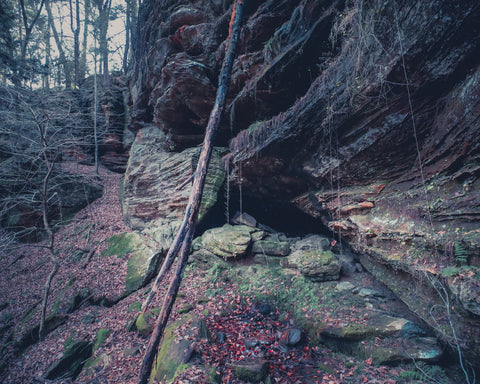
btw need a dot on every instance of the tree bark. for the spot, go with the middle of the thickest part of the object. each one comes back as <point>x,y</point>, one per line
<point>58,42</point>
<point>104,7</point>
<point>75,27</point>
<point>187,229</point>
<point>17,79</point>
<point>83,58</point>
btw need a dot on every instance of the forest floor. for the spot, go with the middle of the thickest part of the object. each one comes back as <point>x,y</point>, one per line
<point>227,307</point>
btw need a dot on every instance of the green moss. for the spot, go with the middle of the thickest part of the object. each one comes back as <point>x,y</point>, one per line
<point>214,376</point>
<point>102,335</point>
<point>185,309</point>
<point>293,293</point>
<point>453,271</point>
<point>91,363</point>
<point>142,324</point>
<point>166,365</point>
<point>135,307</point>
<point>70,340</point>
<point>120,245</point>
<point>180,369</point>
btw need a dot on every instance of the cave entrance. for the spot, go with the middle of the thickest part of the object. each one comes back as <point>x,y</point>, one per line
<point>281,216</point>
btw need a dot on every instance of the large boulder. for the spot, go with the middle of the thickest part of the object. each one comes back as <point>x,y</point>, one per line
<point>314,264</point>
<point>383,338</point>
<point>72,361</point>
<point>272,245</point>
<point>175,352</point>
<point>144,257</point>
<point>156,186</point>
<point>228,242</point>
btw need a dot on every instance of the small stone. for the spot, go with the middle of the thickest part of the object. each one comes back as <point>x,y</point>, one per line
<point>221,337</point>
<point>369,292</point>
<point>291,337</point>
<point>345,286</point>
<point>251,370</point>
<point>244,219</point>
<point>250,343</point>
<point>264,309</point>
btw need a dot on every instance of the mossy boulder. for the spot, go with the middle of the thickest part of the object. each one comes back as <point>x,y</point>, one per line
<point>374,325</point>
<point>229,241</point>
<point>251,370</point>
<point>206,260</point>
<point>315,264</point>
<point>102,335</point>
<point>143,260</point>
<point>175,351</point>
<point>144,324</point>
<point>385,339</point>
<point>394,351</point>
<point>72,361</point>
<point>271,246</point>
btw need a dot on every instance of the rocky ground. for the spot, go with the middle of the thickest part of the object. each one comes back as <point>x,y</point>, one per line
<point>247,320</point>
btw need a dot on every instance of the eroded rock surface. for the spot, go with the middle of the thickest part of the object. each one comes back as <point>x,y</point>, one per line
<point>156,186</point>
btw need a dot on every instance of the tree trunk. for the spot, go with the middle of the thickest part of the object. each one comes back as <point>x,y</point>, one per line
<point>83,59</point>
<point>17,78</point>
<point>46,74</point>
<point>128,26</point>
<point>61,52</point>
<point>104,7</point>
<point>191,213</point>
<point>49,165</point>
<point>75,27</point>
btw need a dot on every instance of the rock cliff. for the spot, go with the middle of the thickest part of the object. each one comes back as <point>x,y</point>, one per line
<point>364,114</point>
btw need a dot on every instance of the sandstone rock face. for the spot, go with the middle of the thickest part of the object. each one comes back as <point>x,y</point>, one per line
<point>152,200</point>
<point>338,131</point>
<point>182,100</point>
<point>465,286</point>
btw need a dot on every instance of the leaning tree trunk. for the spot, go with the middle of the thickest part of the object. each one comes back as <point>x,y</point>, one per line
<point>187,228</point>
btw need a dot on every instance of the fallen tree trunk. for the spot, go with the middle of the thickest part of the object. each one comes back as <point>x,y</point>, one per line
<point>187,229</point>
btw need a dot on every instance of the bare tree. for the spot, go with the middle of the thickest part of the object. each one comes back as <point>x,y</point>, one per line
<point>35,192</point>
<point>75,27</point>
<point>83,56</point>
<point>58,42</point>
<point>25,37</point>
<point>104,7</point>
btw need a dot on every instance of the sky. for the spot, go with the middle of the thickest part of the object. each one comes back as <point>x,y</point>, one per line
<point>116,34</point>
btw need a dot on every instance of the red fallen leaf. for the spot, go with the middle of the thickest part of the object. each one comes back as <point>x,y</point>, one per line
<point>366,204</point>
